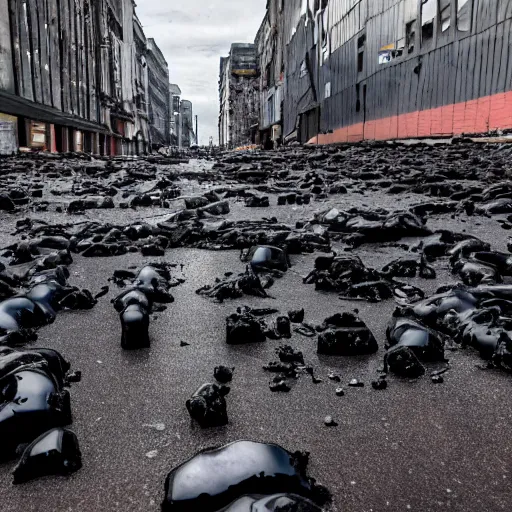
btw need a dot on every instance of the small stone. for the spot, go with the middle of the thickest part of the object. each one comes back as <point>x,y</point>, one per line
<point>354,383</point>
<point>380,384</point>
<point>316,380</point>
<point>279,386</point>
<point>335,378</point>
<point>437,379</point>
<point>340,392</point>
<point>329,422</point>
<point>223,374</point>
<point>152,454</point>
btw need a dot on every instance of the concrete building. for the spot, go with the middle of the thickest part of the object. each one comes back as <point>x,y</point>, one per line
<point>174,103</point>
<point>187,124</point>
<point>159,98</point>
<point>270,53</point>
<point>353,70</point>
<point>141,89</point>
<point>239,96</point>
<point>73,77</point>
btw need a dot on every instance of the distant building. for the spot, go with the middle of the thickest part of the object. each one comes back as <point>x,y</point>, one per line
<point>239,96</point>
<point>174,100</point>
<point>159,99</point>
<point>187,124</point>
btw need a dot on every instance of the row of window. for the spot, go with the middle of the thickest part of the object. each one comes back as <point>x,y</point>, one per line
<point>430,9</point>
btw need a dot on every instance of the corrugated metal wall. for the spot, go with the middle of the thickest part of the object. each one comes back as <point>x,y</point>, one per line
<point>459,77</point>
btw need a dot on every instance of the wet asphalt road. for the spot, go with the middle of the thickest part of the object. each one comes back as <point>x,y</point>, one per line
<point>416,446</point>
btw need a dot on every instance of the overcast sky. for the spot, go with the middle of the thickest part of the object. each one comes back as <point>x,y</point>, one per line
<point>193,35</point>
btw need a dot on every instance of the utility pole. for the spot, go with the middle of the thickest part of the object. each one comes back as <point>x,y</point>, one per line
<point>197,133</point>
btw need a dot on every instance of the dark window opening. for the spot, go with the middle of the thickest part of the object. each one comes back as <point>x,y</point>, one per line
<point>428,16</point>
<point>361,45</point>
<point>358,99</point>
<point>464,15</point>
<point>22,132</point>
<point>410,36</point>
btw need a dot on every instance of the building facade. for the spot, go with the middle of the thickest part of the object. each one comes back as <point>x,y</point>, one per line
<point>352,70</point>
<point>174,104</point>
<point>159,107</point>
<point>187,124</point>
<point>239,96</point>
<point>73,77</point>
<point>269,44</point>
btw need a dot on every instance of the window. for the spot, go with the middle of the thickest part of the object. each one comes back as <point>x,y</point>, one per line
<point>464,15</point>
<point>391,51</point>
<point>361,43</point>
<point>358,99</point>
<point>327,92</point>
<point>446,7</point>
<point>410,36</point>
<point>428,15</point>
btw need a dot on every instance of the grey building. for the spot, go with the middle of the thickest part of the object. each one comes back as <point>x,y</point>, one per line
<point>73,77</point>
<point>187,124</point>
<point>174,100</point>
<point>239,96</point>
<point>159,111</point>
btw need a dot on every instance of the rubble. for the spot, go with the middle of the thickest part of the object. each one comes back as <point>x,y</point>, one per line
<point>366,218</point>
<point>249,469</point>
<point>345,334</point>
<point>55,452</point>
<point>208,405</point>
<point>34,397</point>
<point>135,305</point>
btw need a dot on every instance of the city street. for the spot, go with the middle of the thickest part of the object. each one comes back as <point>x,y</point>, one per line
<point>417,445</point>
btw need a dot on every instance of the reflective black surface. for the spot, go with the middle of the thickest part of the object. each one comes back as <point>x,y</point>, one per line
<point>55,452</point>
<point>217,478</point>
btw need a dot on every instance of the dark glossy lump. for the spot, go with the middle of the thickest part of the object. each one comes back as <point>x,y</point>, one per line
<point>236,477</point>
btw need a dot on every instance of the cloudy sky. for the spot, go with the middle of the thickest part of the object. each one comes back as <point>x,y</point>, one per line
<point>193,35</point>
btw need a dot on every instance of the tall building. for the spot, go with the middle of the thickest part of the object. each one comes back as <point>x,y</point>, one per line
<point>187,124</point>
<point>174,100</point>
<point>239,96</point>
<point>351,70</point>
<point>270,54</point>
<point>74,77</point>
<point>159,108</point>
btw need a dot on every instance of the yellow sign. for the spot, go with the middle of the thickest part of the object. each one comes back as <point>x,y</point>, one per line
<point>244,72</point>
<point>391,46</point>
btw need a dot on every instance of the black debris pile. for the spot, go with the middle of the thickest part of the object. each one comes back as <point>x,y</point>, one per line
<point>234,287</point>
<point>359,226</point>
<point>266,259</point>
<point>223,374</point>
<point>345,334</point>
<point>476,317</point>
<point>254,476</point>
<point>136,303</point>
<point>45,292</point>
<point>34,406</point>
<point>55,452</point>
<point>245,327</point>
<point>208,405</point>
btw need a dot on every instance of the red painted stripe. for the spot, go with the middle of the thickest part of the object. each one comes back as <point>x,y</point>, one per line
<point>475,116</point>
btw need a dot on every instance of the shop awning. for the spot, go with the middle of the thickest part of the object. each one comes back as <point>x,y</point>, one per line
<point>18,106</point>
